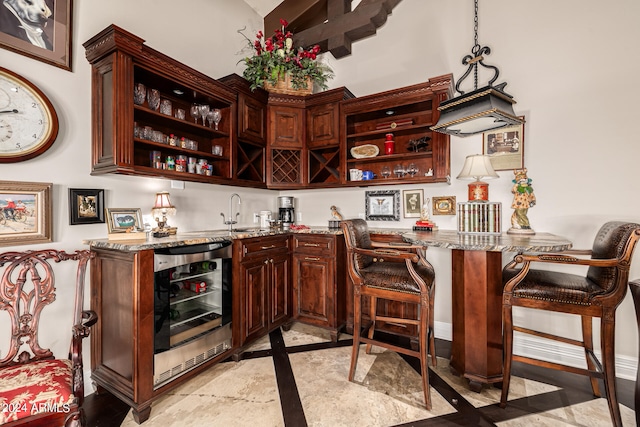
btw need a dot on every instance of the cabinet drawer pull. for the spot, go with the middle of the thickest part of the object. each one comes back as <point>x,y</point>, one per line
<point>315,245</point>
<point>267,247</point>
<point>308,258</point>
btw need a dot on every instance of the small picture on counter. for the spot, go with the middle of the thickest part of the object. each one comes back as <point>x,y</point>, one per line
<point>120,220</point>
<point>412,203</point>
<point>86,206</point>
<point>444,205</point>
<point>382,205</point>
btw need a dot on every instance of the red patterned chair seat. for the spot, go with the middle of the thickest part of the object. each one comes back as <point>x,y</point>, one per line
<point>30,389</point>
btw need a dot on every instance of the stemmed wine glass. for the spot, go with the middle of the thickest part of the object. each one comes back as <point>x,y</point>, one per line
<point>216,117</point>
<point>204,110</point>
<point>195,112</point>
<point>412,169</point>
<point>398,170</point>
<point>385,172</point>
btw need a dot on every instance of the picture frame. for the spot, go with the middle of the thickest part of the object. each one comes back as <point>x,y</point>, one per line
<point>121,220</point>
<point>86,206</point>
<point>505,147</point>
<point>55,46</point>
<point>444,205</point>
<point>30,221</point>
<point>412,203</point>
<point>382,205</point>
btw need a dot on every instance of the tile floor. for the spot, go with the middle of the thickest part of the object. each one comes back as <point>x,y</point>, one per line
<point>299,378</point>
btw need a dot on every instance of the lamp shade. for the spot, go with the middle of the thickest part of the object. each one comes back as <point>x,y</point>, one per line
<point>482,110</point>
<point>477,166</point>
<point>162,201</point>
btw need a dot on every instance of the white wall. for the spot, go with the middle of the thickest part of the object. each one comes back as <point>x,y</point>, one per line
<point>570,66</point>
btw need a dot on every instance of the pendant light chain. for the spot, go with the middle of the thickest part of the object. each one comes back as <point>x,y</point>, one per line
<point>476,46</point>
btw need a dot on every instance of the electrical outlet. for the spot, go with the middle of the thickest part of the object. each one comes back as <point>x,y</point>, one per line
<point>177,185</point>
<point>299,217</point>
<point>361,216</point>
<point>256,218</point>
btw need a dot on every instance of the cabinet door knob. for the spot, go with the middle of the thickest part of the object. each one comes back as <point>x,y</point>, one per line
<point>266,261</point>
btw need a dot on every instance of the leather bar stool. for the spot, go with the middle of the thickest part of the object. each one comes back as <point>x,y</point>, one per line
<point>597,294</point>
<point>380,271</point>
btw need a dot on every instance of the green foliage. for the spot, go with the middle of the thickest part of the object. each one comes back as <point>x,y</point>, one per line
<point>275,56</point>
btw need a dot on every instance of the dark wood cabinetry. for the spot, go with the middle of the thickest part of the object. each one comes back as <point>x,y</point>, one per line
<point>319,281</point>
<point>407,113</point>
<point>249,148</point>
<point>262,291</point>
<point>125,134</point>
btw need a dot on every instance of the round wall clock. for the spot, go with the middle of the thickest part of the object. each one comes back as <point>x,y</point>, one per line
<point>28,121</point>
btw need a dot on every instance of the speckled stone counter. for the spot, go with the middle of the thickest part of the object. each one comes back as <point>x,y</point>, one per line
<point>451,239</point>
<point>212,236</point>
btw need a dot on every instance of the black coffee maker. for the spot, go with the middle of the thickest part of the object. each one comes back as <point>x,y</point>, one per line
<point>286,213</point>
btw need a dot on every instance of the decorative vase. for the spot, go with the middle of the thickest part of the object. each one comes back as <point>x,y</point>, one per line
<point>285,85</point>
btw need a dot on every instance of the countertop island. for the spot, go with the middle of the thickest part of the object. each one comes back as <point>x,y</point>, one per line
<point>212,236</point>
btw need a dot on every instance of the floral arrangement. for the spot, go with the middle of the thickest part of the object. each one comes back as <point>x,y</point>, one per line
<point>274,57</point>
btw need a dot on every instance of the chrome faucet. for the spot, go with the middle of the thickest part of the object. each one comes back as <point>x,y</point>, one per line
<point>230,221</point>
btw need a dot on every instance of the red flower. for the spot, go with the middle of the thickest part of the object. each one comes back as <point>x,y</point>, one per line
<point>284,23</point>
<point>259,35</point>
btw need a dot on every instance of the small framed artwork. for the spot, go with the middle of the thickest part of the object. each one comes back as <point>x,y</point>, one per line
<point>505,146</point>
<point>412,203</point>
<point>49,38</point>
<point>86,206</point>
<point>25,213</point>
<point>444,205</point>
<point>122,220</point>
<point>382,205</point>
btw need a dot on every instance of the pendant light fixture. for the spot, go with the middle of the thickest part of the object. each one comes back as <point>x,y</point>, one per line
<point>481,110</point>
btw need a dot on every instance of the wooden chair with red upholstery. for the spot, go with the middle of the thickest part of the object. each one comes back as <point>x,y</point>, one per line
<point>596,294</point>
<point>402,274</point>
<point>37,389</point>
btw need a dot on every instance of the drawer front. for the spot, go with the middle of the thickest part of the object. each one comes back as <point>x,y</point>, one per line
<point>259,246</point>
<point>313,244</point>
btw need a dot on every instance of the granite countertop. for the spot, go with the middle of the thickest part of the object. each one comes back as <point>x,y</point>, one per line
<point>212,236</point>
<point>504,242</point>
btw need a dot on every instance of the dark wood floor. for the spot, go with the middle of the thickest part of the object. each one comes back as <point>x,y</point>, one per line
<point>107,411</point>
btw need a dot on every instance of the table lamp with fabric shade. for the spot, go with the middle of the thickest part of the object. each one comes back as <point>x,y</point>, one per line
<point>476,167</point>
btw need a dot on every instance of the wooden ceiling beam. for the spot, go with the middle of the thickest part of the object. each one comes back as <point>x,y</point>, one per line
<point>330,23</point>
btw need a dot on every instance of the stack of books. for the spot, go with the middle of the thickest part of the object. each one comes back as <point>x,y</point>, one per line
<point>425,225</point>
<point>479,217</point>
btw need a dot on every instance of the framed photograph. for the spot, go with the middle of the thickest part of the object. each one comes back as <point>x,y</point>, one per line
<point>25,212</point>
<point>444,205</point>
<point>50,40</point>
<point>505,146</point>
<point>119,220</point>
<point>382,205</point>
<point>86,206</point>
<point>412,203</point>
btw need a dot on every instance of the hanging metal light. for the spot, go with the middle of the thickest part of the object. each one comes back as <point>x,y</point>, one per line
<point>481,110</point>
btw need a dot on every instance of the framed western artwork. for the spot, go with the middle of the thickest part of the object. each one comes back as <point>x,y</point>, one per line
<point>40,29</point>
<point>25,212</point>
<point>505,146</point>
<point>86,206</point>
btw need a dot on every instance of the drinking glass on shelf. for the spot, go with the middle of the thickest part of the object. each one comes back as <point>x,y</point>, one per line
<point>139,93</point>
<point>153,97</point>
<point>216,116</point>
<point>398,170</point>
<point>195,112</point>
<point>412,169</point>
<point>385,172</point>
<point>204,110</point>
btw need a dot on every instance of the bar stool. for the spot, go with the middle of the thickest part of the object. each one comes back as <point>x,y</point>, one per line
<point>597,294</point>
<point>391,274</point>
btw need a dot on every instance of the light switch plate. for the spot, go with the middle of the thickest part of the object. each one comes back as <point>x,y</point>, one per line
<point>177,185</point>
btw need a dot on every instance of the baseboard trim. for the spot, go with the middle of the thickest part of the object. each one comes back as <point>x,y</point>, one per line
<point>626,367</point>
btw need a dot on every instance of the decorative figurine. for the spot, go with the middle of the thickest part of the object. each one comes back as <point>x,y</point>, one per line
<point>523,199</point>
<point>335,214</point>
